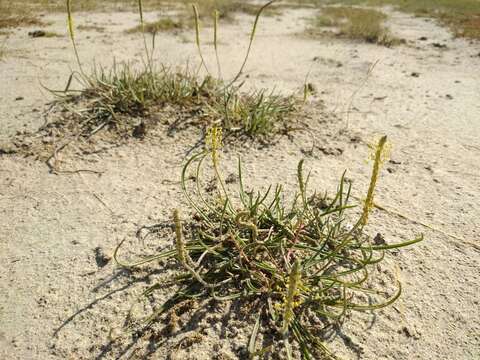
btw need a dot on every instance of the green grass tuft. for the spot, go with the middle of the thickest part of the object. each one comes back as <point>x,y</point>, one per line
<point>228,8</point>
<point>119,93</point>
<point>161,25</point>
<point>354,23</point>
<point>461,16</point>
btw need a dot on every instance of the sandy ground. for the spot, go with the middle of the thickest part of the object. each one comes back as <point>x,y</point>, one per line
<point>59,301</point>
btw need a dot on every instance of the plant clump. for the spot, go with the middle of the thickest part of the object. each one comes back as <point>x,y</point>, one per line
<point>461,16</point>
<point>160,25</point>
<point>305,265</point>
<point>355,23</point>
<point>118,97</point>
<point>125,90</point>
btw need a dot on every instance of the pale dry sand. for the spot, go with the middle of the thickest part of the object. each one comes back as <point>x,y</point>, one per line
<point>58,303</point>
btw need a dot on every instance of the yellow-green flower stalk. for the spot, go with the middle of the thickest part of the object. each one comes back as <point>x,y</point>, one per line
<point>142,26</point>
<point>179,242</point>
<point>214,143</point>
<point>72,34</point>
<point>70,20</point>
<point>379,158</point>
<point>252,37</point>
<point>182,254</point>
<point>197,37</point>
<point>216,15</point>
<point>290,304</point>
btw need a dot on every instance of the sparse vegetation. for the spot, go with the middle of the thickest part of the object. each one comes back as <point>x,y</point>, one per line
<point>462,16</point>
<point>227,8</point>
<point>299,269</point>
<point>36,6</point>
<point>14,21</point>
<point>12,15</point>
<point>16,14</point>
<point>163,24</point>
<point>354,23</point>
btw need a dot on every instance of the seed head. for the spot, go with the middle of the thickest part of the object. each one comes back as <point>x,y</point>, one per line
<point>379,157</point>
<point>290,303</point>
<point>180,244</point>
<point>214,142</point>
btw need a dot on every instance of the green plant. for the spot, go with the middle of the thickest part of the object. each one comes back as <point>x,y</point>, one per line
<point>163,24</point>
<point>117,97</point>
<point>355,23</point>
<point>306,265</point>
<point>462,16</point>
<point>12,16</point>
<point>228,8</point>
<point>71,33</point>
